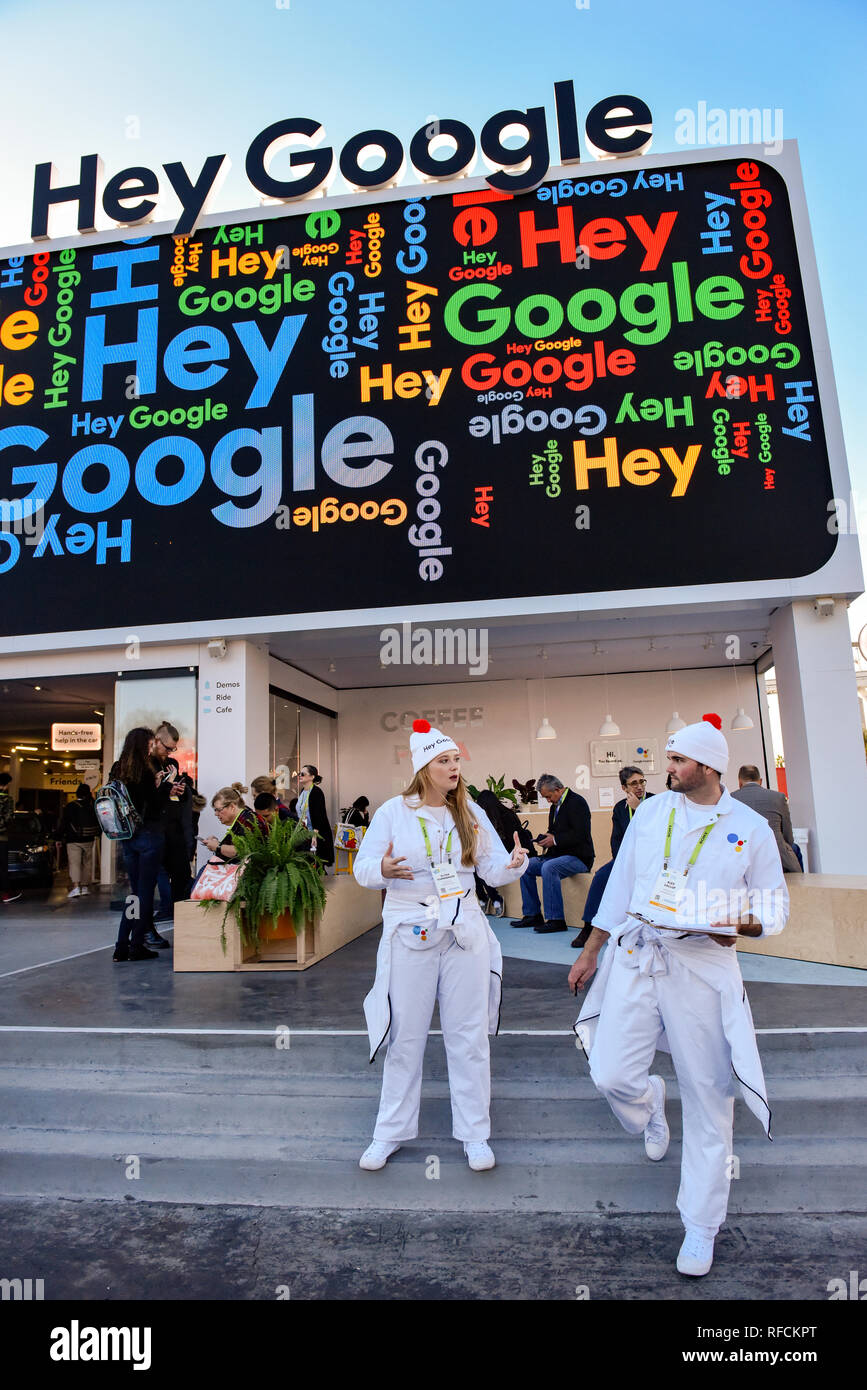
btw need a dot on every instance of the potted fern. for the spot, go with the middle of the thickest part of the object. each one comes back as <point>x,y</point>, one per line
<point>279,889</point>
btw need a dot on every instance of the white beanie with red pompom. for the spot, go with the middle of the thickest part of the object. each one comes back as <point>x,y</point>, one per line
<point>703,742</point>
<point>426,743</point>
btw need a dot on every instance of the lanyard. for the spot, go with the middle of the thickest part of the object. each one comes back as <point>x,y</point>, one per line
<point>427,843</point>
<point>560,802</point>
<point>696,852</point>
<point>629,809</point>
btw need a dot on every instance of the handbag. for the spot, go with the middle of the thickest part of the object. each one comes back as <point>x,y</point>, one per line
<point>347,837</point>
<point>217,882</point>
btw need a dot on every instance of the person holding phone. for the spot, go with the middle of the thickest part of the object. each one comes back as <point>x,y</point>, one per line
<point>144,777</point>
<point>422,847</point>
<point>567,849</point>
<point>694,870</point>
<point>233,812</point>
<point>177,824</point>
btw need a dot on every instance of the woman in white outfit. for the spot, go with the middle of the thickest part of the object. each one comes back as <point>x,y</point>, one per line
<point>423,847</point>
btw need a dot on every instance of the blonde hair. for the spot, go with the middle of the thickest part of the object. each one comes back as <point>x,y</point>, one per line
<point>230,796</point>
<point>263,784</point>
<point>458,803</point>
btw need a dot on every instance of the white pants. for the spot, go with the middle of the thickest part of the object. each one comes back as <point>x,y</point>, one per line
<point>460,980</point>
<point>635,1009</point>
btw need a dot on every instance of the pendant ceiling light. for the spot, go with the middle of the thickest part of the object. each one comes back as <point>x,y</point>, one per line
<point>675,722</point>
<point>545,730</point>
<point>741,721</point>
<point>608,728</point>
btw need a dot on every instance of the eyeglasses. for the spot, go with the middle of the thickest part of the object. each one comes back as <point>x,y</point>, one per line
<point>637,782</point>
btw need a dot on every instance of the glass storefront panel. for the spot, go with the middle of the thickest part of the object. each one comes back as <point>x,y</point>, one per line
<point>300,735</point>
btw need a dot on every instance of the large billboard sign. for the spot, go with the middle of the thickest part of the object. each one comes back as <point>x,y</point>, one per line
<point>604,384</point>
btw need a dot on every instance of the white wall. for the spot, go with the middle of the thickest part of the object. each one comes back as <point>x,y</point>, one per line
<point>296,682</point>
<point>821,725</point>
<point>496,722</point>
<point>233,722</point>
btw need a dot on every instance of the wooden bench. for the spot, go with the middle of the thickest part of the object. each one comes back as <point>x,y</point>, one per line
<point>350,911</point>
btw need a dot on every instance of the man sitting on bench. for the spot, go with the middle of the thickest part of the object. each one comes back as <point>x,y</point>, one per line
<point>568,849</point>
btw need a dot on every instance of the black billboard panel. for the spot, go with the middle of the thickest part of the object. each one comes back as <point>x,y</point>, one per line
<point>606,384</point>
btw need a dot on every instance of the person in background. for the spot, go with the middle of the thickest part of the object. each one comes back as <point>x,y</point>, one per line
<point>7,812</point>
<point>79,828</point>
<point>568,850</point>
<point>775,809</point>
<point>199,803</point>
<point>144,778</point>
<point>507,824</point>
<point>267,786</point>
<point>312,812</point>
<point>634,783</point>
<point>267,807</point>
<point>231,811</point>
<point>177,821</point>
<point>358,813</point>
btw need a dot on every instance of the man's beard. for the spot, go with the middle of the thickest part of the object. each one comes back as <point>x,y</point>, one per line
<point>689,785</point>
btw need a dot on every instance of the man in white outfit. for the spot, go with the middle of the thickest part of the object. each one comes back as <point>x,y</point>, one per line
<point>695,869</point>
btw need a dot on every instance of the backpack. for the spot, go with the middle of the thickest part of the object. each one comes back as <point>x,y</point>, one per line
<point>7,812</point>
<point>512,820</point>
<point>118,818</point>
<point>82,820</point>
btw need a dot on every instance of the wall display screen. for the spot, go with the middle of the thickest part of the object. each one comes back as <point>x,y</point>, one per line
<point>605,384</point>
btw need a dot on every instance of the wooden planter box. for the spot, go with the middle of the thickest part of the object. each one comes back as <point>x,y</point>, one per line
<point>350,910</point>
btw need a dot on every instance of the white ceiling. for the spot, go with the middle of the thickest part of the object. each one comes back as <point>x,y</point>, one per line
<point>581,645</point>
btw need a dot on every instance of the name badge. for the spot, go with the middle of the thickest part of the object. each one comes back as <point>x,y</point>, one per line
<point>446,881</point>
<point>667,891</point>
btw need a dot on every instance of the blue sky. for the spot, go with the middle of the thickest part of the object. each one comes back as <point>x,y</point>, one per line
<point>202,78</point>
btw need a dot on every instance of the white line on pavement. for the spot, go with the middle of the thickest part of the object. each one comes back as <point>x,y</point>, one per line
<point>340,1032</point>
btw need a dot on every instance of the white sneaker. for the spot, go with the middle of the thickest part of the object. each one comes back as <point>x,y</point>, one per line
<point>74,891</point>
<point>656,1132</point>
<point>377,1155</point>
<point>84,890</point>
<point>479,1156</point>
<point>696,1254</point>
